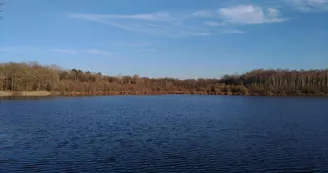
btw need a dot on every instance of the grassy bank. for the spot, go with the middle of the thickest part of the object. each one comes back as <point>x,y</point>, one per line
<point>180,93</point>
<point>5,93</point>
<point>26,93</point>
<point>47,93</point>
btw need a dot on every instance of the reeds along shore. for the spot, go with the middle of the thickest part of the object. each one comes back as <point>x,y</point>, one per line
<point>32,79</point>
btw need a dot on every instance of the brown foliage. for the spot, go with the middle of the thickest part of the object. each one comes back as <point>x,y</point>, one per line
<point>34,77</point>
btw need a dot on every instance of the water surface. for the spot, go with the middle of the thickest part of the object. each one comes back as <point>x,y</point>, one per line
<point>164,134</point>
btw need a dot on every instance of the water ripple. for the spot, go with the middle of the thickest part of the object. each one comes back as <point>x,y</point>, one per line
<point>164,134</point>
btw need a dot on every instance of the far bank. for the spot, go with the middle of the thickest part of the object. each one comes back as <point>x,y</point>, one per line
<point>54,93</point>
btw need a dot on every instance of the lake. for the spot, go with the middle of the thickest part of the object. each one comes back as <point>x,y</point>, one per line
<point>172,133</point>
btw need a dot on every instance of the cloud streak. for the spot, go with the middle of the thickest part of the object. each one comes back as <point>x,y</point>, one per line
<point>309,5</point>
<point>232,31</point>
<point>203,13</point>
<point>249,14</point>
<point>65,51</point>
<point>6,49</point>
<point>159,16</point>
<point>213,24</point>
<point>146,50</point>
<point>88,51</point>
<point>140,44</point>
<point>159,23</point>
<point>187,23</point>
<point>99,52</point>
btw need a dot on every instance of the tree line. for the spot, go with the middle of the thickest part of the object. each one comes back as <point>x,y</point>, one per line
<point>17,77</point>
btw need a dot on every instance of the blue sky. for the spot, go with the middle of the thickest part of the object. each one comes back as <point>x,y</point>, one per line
<point>158,38</point>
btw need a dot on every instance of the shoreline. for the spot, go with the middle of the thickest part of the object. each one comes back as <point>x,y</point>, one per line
<point>25,93</point>
<point>135,93</point>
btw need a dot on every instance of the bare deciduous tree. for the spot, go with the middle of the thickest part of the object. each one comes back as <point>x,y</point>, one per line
<point>34,77</point>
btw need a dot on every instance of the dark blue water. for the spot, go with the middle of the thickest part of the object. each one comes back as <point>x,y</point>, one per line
<point>164,134</point>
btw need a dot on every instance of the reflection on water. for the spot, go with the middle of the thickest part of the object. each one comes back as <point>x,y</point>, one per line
<point>164,134</point>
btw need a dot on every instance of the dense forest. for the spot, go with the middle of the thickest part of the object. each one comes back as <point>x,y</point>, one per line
<point>17,77</point>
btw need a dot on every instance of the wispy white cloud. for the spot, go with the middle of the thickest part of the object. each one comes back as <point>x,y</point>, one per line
<point>6,49</point>
<point>166,24</point>
<point>203,13</point>
<point>213,24</point>
<point>199,33</point>
<point>316,2</point>
<point>65,51</point>
<point>272,12</point>
<point>187,23</point>
<point>85,51</point>
<point>61,51</point>
<point>159,16</point>
<point>249,14</point>
<point>21,48</point>
<point>232,31</point>
<point>140,44</point>
<point>99,52</point>
<point>146,50</point>
<point>309,5</point>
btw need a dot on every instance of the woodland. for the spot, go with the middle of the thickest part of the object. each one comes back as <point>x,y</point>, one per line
<point>31,76</point>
